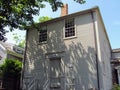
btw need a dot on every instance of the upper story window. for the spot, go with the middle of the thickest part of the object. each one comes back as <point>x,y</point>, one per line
<point>69,28</point>
<point>43,35</point>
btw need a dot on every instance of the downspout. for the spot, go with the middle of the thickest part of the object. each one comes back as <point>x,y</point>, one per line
<point>97,66</point>
<point>23,63</point>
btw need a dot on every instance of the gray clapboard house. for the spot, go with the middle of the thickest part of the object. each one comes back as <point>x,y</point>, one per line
<point>71,52</point>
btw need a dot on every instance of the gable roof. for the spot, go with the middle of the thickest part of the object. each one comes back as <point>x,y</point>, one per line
<point>10,49</point>
<point>66,16</point>
<point>70,15</point>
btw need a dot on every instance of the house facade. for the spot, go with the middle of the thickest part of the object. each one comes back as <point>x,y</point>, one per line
<point>2,54</point>
<point>115,62</point>
<point>10,51</point>
<point>71,52</point>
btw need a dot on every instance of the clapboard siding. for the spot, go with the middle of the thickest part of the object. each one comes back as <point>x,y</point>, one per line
<point>115,55</point>
<point>81,53</point>
<point>78,52</point>
<point>105,54</point>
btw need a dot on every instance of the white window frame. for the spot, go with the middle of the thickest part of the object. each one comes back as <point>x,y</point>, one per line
<point>65,28</point>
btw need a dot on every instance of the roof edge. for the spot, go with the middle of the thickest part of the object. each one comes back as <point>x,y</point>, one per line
<point>63,17</point>
<point>104,26</point>
<point>115,50</point>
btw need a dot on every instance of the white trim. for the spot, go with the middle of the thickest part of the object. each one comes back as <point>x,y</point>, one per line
<point>71,37</point>
<point>43,42</point>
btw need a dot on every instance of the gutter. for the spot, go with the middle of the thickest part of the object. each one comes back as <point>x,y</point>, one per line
<point>63,17</point>
<point>97,67</point>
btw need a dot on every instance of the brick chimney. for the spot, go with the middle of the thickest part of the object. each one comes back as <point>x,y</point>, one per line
<point>64,10</point>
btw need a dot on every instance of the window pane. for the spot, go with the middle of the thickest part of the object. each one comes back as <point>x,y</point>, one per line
<point>69,28</point>
<point>43,35</point>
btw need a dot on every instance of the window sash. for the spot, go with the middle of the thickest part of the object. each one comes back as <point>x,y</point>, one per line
<point>69,28</point>
<point>43,35</point>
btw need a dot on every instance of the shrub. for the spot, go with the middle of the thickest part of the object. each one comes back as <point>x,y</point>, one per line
<point>11,68</point>
<point>116,87</point>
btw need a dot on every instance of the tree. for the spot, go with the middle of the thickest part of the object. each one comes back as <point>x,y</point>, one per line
<point>11,70</point>
<point>44,18</point>
<point>20,41</point>
<point>19,13</point>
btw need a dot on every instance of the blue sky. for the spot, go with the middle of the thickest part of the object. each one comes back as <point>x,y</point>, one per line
<point>109,10</point>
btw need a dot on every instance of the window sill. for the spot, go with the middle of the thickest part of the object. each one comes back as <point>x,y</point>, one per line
<point>72,37</point>
<point>45,42</point>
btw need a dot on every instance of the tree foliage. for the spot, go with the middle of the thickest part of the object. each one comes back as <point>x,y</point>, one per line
<point>19,40</point>
<point>19,13</point>
<point>44,18</point>
<point>11,68</point>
